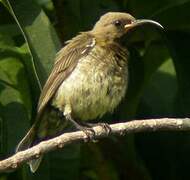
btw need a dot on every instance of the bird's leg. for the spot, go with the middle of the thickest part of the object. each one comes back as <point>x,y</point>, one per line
<point>90,133</point>
<point>105,126</point>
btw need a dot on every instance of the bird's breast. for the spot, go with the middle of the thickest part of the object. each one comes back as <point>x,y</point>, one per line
<point>96,85</point>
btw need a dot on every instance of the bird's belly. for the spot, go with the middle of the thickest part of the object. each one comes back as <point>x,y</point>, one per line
<point>91,90</point>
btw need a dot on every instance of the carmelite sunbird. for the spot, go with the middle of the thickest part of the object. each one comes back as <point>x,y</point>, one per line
<point>89,79</point>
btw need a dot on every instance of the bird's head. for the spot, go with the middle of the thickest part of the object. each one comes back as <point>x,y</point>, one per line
<point>114,25</point>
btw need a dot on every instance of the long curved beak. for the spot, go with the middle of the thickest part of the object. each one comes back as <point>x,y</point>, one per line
<point>140,22</point>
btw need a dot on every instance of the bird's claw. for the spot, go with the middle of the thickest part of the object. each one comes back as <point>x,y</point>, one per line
<point>106,127</point>
<point>90,134</point>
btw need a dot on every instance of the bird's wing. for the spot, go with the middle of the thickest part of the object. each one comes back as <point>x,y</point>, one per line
<point>66,60</point>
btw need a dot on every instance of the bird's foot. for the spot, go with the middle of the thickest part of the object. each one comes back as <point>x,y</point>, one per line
<point>90,133</point>
<point>105,126</point>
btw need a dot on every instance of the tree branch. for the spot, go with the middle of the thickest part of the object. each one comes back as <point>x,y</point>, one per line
<point>151,125</point>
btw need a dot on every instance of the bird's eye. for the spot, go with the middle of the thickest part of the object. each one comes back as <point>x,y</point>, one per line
<point>117,23</point>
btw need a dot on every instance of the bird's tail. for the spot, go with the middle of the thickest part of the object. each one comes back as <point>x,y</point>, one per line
<point>26,143</point>
<point>48,125</point>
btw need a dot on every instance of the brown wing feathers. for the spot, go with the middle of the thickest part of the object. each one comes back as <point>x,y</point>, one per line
<point>66,61</point>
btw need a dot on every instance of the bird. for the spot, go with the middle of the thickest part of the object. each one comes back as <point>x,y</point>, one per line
<point>89,79</point>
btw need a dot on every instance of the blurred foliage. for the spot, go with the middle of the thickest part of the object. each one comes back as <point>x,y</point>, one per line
<point>31,33</point>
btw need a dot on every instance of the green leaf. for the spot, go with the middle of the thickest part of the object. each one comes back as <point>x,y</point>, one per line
<point>9,30</point>
<point>42,45</point>
<point>40,37</point>
<point>158,99</point>
<point>15,101</point>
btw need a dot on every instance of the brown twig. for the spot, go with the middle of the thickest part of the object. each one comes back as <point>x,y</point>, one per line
<point>164,124</point>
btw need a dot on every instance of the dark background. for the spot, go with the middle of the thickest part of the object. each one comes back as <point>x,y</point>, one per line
<point>31,32</point>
